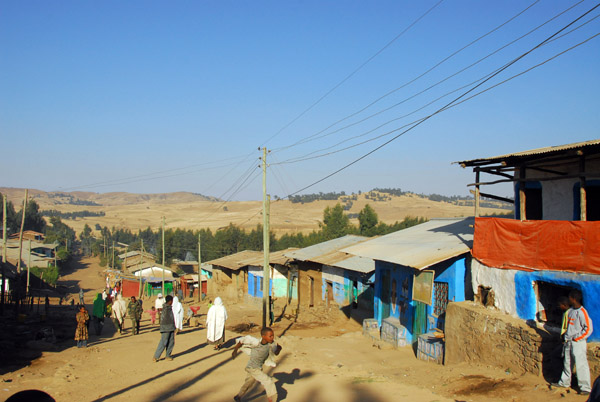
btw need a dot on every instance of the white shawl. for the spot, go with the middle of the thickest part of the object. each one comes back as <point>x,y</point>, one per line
<point>178,313</point>
<point>215,321</point>
<point>119,308</point>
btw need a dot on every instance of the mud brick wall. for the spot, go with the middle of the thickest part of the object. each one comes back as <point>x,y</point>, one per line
<point>483,335</point>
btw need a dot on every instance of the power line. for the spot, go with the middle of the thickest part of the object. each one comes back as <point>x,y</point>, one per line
<point>309,157</point>
<point>454,100</point>
<point>356,70</point>
<point>415,79</point>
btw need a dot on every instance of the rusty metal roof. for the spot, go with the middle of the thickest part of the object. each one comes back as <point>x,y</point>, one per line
<point>236,261</point>
<point>533,152</point>
<point>276,257</point>
<point>420,246</point>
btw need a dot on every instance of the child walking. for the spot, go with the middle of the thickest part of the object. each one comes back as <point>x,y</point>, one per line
<point>261,352</point>
<point>81,332</point>
<point>579,328</point>
<point>152,313</point>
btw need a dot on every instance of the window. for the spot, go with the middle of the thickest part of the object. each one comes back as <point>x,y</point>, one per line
<point>440,294</point>
<point>592,200</point>
<point>533,201</point>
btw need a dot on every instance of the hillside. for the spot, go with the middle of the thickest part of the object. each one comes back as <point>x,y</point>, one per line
<point>53,198</point>
<point>190,211</point>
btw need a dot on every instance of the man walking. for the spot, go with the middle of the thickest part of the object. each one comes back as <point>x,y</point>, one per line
<point>167,330</point>
<point>134,311</point>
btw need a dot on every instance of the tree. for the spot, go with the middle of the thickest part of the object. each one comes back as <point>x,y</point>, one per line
<point>34,220</point>
<point>367,221</point>
<point>335,223</point>
<point>13,223</point>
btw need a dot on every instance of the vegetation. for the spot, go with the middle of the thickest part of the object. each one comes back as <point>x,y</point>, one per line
<point>49,275</point>
<point>72,215</point>
<point>316,197</point>
<point>183,244</point>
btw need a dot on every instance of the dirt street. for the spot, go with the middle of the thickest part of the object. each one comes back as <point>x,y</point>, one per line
<point>320,362</point>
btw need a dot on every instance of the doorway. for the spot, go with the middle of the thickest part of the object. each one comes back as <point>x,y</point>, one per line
<point>385,295</point>
<point>311,291</point>
<point>329,293</point>
<point>419,319</point>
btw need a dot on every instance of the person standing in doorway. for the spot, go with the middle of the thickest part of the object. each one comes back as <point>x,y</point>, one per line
<point>167,330</point>
<point>579,328</point>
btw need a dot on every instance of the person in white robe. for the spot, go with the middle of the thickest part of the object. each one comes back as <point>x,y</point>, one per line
<point>215,324</point>
<point>178,314</point>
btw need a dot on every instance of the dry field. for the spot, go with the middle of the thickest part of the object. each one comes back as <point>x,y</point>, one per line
<point>189,211</point>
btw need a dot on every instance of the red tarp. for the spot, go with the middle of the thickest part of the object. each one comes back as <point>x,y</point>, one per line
<point>130,288</point>
<point>538,245</point>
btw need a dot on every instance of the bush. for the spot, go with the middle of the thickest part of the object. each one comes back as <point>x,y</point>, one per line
<point>49,275</point>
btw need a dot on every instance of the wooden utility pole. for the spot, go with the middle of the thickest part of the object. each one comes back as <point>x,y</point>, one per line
<point>200,270</point>
<point>163,255</point>
<point>4,229</point>
<point>266,273</point>
<point>21,232</point>
<point>28,265</point>
<point>141,265</point>
<point>113,256</point>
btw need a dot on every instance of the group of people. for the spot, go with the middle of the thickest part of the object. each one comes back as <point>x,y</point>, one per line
<point>169,311</point>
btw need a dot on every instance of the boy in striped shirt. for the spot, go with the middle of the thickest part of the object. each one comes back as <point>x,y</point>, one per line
<point>579,328</point>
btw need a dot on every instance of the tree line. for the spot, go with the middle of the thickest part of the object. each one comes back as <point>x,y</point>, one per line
<point>183,243</point>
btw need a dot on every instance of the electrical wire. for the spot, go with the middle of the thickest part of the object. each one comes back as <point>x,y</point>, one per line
<point>318,135</point>
<point>410,81</point>
<point>356,70</point>
<point>309,157</point>
<point>506,66</point>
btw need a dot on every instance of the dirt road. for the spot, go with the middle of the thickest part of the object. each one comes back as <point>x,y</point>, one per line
<point>331,363</point>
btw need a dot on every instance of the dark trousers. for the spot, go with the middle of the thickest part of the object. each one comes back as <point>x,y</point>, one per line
<point>167,341</point>
<point>98,324</point>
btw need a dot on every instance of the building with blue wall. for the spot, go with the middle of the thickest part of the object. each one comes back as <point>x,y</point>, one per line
<point>417,272</point>
<point>552,245</point>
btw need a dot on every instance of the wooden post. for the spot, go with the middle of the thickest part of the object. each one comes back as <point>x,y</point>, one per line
<point>28,265</point>
<point>582,190</point>
<point>522,201</point>
<point>477,173</point>
<point>141,265</point>
<point>163,256</point>
<point>21,233</point>
<point>4,230</point>
<point>198,296</point>
<point>265,286</point>
<point>113,256</point>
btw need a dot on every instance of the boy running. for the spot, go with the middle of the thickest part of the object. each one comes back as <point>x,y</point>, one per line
<point>260,352</point>
<point>579,328</point>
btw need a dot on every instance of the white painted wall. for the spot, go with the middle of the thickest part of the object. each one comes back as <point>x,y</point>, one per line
<point>557,195</point>
<point>502,282</point>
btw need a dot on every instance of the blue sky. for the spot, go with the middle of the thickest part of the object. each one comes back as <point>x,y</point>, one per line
<point>149,97</point>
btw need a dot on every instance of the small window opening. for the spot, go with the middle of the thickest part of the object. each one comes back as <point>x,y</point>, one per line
<point>592,196</point>
<point>533,204</point>
<point>548,295</point>
<point>486,296</point>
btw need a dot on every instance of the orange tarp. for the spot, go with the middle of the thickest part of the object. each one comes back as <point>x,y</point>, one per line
<point>538,245</point>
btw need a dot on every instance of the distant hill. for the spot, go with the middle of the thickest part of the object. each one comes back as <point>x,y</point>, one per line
<point>54,198</point>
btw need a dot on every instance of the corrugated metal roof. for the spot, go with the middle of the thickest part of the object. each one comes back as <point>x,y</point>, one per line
<point>328,253</point>
<point>420,246</point>
<point>276,257</point>
<point>316,250</point>
<point>236,261</point>
<point>537,151</point>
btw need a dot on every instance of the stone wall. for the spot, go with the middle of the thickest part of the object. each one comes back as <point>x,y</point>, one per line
<point>486,336</point>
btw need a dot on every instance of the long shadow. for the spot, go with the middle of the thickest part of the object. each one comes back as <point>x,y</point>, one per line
<point>289,378</point>
<point>286,329</point>
<point>190,350</point>
<point>162,374</point>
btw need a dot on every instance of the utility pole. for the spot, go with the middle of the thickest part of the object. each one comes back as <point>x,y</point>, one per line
<point>141,264</point>
<point>266,271</point>
<point>113,256</point>
<point>28,265</point>
<point>21,232</point>
<point>163,255</point>
<point>199,270</point>
<point>4,230</point>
